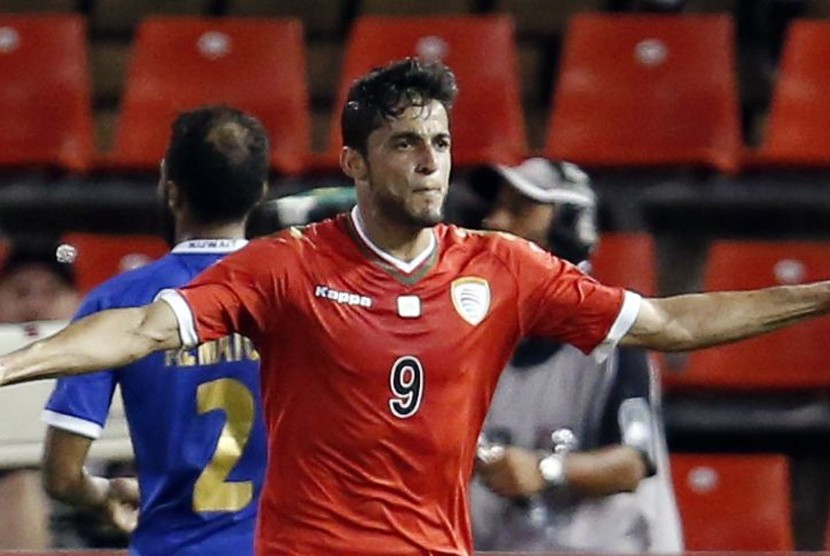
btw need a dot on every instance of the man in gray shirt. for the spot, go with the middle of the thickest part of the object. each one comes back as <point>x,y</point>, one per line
<point>572,456</point>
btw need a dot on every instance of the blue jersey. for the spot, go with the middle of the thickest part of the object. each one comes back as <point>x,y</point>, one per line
<point>195,420</point>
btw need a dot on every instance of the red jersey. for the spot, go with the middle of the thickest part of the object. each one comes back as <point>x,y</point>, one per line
<point>376,382</point>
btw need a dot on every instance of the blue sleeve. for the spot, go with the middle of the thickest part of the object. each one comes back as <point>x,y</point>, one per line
<point>80,404</point>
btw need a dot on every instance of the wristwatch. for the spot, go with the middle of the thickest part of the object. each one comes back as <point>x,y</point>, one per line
<point>552,469</point>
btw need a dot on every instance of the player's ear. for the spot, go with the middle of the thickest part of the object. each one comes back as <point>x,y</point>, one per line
<point>353,164</point>
<point>172,195</point>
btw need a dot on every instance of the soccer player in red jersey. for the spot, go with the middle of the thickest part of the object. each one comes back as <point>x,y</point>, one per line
<point>382,334</point>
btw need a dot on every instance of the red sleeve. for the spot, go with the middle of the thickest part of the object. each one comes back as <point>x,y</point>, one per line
<point>240,293</point>
<point>558,300</point>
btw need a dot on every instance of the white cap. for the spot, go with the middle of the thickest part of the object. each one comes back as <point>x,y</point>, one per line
<point>547,182</point>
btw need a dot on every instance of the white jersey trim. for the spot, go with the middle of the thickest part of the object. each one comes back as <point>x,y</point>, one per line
<point>626,317</point>
<point>210,246</point>
<point>401,265</point>
<point>184,316</point>
<point>89,429</point>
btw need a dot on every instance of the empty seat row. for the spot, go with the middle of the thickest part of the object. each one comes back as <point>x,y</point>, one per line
<point>639,91</point>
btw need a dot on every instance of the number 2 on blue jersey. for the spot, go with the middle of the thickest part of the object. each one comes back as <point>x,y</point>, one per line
<point>212,491</point>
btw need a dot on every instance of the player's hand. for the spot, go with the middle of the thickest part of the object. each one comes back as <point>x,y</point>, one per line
<point>514,475</point>
<point>122,503</point>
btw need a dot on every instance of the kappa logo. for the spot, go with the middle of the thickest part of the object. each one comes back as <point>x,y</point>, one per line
<point>471,298</point>
<point>346,298</point>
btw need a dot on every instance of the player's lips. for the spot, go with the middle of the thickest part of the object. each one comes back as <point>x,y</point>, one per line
<point>428,190</point>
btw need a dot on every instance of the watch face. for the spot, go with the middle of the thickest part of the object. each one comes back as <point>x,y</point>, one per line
<point>552,470</point>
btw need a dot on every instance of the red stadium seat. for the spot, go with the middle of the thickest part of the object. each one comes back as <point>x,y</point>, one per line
<point>796,133</point>
<point>45,94</point>
<point>487,121</point>
<point>627,260</point>
<point>733,502</point>
<point>100,257</point>
<point>647,91</point>
<point>178,63</point>
<point>792,358</point>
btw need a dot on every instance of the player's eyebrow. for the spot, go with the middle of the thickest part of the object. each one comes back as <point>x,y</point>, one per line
<point>415,136</point>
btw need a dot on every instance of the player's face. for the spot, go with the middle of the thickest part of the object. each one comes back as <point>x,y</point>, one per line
<point>521,216</point>
<point>408,164</point>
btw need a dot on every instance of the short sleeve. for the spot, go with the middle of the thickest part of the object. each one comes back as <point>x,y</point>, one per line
<point>559,301</point>
<point>235,295</point>
<point>80,404</point>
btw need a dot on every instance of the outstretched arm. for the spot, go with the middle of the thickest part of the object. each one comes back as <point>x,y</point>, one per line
<point>693,321</point>
<point>105,340</point>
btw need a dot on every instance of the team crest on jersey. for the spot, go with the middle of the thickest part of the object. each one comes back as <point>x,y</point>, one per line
<point>471,298</point>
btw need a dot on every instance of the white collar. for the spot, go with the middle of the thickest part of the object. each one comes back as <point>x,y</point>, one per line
<point>210,246</point>
<point>401,265</point>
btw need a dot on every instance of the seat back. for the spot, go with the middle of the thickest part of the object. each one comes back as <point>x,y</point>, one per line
<point>179,63</point>
<point>646,91</point>
<point>794,357</point>
<point>799,119</point>
<point>627,260</point>
<point>99,257</point>
<point>45,102</point>
<point>487,121</point>
<point>733,502</point>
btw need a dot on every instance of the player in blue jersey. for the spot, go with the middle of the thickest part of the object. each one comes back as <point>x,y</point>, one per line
<point>194,415</point>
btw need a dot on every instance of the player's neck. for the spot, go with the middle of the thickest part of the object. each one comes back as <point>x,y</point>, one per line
<point>231,230</point>
<point>402,242</point>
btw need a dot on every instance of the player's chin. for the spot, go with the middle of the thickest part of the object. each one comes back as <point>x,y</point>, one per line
<point>428,215</point>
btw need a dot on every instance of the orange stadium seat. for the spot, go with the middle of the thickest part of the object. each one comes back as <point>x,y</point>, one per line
<point>647,91</point>
<point>100,257</point>
<point>178,63</point>
<point>627,260</point>
<point>487,120</point>
<point>792,358</point>
<point>796,133</point>
<point>45,102</point>
<point>733,502</point>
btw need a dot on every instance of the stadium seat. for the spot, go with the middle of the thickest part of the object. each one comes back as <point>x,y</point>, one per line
<point>796,132</point>
<point>647,91</point>
<point>791,358</point>
<point>627,260</point>
<point>178,63</point>
<point>100,257</point>
<point>487,121</point>
<point>733,502</point>
<point>45,94</point>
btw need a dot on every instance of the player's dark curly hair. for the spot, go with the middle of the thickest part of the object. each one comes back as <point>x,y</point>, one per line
<point>218,156</point>
<point>384,93</point>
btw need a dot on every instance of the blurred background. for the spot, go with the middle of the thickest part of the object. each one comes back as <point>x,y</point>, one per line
<point>705,125</point>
